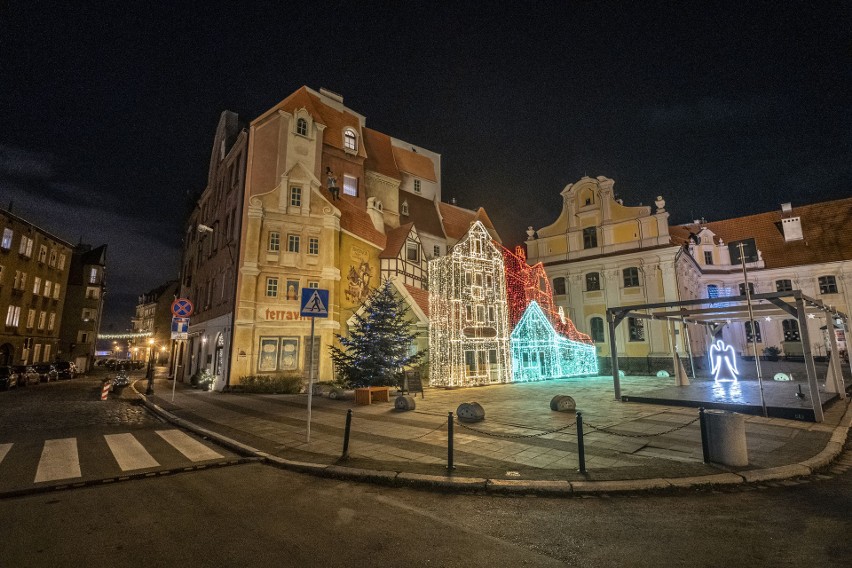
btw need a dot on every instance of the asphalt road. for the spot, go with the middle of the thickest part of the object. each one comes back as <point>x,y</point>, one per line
<point>256,515</point>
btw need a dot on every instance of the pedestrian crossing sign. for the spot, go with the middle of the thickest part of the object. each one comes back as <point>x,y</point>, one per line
<point>314,303</point>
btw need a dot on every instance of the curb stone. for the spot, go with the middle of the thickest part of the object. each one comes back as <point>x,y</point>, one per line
<point>776,473</point>
<point>618,486</point>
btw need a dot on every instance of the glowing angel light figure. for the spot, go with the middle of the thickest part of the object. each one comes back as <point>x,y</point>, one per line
<point>722,355</point>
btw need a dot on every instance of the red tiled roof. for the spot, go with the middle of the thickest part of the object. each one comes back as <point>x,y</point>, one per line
<point>357,221</point>
<point>380,154</point>
<point>415,164</point>
<point>826,227</point>
<point>420,296</point>
<point>334,120</point>
<point>457,220</point>
<point>422,212</point>
<point>395,239</point>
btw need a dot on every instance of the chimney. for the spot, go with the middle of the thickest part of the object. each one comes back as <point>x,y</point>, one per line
<point>792,226</point>
<point>332,95</point>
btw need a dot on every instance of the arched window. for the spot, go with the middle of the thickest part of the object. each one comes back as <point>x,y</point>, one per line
<point>596,326</point>
<point>631,277</point>
<point>593,281</point>
<point>791,330</point>
<point>349,141</point>
<point>404,208</point>
<point>302,127</point>
<point>559,286</point>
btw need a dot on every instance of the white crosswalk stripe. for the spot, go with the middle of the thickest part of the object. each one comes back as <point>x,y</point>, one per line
<point>129,453</point>
<point>4,449</point>
<point>59,460</point>
<point>189,447</point>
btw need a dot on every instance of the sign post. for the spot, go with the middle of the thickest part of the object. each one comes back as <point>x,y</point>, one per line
<point>182,308</point>
<point>314,305</point>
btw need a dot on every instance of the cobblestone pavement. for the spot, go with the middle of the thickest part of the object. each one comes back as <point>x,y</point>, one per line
<point>521,438</point>
<point>74,403</point>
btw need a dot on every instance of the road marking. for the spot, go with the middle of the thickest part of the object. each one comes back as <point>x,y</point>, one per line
<point>59,460</point>
<point>129,453</point>
<point>191,448</point>
<point>4,449</point>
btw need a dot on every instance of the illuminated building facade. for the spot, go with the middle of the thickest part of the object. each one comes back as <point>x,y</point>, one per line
<point>468,313</point>
<point>540,352</point>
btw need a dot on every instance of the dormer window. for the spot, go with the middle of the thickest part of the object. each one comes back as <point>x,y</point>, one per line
<point>404,208</point>
<point>417,188</point>
<point>349,140</point>
<point>302,127</point>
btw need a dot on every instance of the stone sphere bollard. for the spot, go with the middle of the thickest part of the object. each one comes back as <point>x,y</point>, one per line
<point>403,403</point>
<point>470,412</point>
<point>563,403</point>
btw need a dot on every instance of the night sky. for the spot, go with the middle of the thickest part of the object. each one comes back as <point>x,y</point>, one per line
<point>725,108</point>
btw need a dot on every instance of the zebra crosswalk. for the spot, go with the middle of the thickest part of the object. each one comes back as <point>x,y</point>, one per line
<point>99,455</point>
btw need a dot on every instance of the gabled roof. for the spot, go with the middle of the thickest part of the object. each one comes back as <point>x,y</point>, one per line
<point>457,220</point>
<point>826,227</point>
<point>415,164</point>
<point>422,212</point>
<point>335,120</point>
<point>395,239</point>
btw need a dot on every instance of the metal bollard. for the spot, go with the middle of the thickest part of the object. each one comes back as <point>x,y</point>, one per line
<point>580,449</point>
<point>705,444</point>
<point>346,434</point>
<point>450,465</point>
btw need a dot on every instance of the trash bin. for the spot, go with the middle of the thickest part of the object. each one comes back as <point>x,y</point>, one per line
<point>726,439</point>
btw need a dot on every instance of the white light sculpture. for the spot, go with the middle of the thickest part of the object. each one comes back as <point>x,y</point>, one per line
<point>723,361</point>
<point>539,352</point>
<point>468,320</point>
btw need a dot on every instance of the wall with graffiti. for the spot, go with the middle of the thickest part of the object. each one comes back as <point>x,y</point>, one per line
<point>359,274</point>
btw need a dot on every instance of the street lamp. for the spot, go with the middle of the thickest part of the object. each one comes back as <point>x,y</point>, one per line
<point>149,373</point>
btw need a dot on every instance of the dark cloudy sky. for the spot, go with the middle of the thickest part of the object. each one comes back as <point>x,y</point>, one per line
<point>723,107</point>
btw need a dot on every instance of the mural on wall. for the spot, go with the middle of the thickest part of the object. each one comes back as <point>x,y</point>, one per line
<point>360,275</point>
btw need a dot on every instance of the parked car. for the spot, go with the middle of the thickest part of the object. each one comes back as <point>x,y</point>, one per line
<point>65,369</point>
<point>120,381</point>
<point>46,372</point>
<point>7,378</point>
<point>26,375</point>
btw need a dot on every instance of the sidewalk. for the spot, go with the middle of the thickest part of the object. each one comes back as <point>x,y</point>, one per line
<point>521,445</point>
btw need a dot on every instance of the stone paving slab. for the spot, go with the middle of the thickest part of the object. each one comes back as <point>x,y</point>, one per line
<point>633,443</point>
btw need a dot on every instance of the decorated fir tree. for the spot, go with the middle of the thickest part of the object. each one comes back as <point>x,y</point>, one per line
<point>378,345</point>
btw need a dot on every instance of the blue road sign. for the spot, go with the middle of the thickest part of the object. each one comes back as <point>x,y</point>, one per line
<point>182,308</point>
<point>180,328</point>
<point>314,303</point>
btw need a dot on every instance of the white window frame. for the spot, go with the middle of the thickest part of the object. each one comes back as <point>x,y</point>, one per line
<point>274,241</point>
<point>294,243</point>
<point>295,196</point>
<point>350,140</point>
<point>418,188</point>
<point>313,246</point>
<point>37,285</point>
<point>272,287</point>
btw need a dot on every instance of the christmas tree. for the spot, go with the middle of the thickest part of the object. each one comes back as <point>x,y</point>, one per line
<point>379,343</point>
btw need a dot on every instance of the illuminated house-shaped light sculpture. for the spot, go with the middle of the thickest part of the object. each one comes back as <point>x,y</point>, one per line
<point>539,352</point>
<point>468,321</point>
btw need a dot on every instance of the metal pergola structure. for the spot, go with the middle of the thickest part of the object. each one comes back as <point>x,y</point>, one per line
<point>715,313</point>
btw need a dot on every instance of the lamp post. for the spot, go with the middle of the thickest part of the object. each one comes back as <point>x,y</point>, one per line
<point>149,373</point>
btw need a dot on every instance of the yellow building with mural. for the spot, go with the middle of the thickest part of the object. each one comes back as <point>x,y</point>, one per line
<point>330,204</point>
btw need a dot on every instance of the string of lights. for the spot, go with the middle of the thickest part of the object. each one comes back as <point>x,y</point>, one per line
<point>468,319</point>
